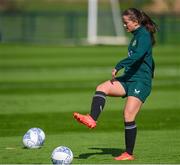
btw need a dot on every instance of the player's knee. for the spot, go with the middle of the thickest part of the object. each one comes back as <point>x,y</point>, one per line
<point>129,116</point>
<point>102,88</point>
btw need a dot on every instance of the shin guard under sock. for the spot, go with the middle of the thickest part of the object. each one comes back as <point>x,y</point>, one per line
<point>97,105</point>
<point>130,136</point>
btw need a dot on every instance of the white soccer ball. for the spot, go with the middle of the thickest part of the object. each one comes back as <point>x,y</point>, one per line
<point>62,155</point>
<point>34,138</point>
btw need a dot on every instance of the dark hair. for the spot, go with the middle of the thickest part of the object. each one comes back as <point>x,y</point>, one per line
<point>143,19</point>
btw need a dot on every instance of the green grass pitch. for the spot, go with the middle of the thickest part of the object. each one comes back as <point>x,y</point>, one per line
<point>41,86</point>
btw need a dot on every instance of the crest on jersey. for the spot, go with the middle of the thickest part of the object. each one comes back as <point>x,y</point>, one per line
<point>134,43</point>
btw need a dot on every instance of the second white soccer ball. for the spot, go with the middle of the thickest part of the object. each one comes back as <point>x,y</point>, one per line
<point>62,155</point>
<point>34,138</point>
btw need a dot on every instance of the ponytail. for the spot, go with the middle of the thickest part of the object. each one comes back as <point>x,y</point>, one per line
<point>150,25</point>
<point>143,19</point>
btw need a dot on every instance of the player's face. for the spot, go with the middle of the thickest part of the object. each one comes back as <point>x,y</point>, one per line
<point>130,25</point>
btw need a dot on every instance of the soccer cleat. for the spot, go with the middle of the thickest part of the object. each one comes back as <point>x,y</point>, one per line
<point>125,156</point>
<point>85,119</point>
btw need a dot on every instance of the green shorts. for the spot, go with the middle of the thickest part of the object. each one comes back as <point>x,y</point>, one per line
<point>137,88</point>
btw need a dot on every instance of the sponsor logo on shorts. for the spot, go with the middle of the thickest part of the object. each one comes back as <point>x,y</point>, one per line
<point>136,91</point>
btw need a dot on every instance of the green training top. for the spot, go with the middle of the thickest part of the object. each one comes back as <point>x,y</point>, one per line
<point>139,64</point>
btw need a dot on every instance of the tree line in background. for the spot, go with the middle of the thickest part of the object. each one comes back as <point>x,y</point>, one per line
<point>154,6</point>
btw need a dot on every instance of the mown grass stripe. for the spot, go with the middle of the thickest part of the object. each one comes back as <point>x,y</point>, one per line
<point>54,123</point>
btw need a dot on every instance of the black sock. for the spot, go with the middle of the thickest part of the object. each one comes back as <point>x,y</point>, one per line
<point>97,105</point>
<point>130,136</point>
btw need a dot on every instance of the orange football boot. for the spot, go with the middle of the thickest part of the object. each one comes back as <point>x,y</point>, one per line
<point>85,119</point>
<point>125,156</point>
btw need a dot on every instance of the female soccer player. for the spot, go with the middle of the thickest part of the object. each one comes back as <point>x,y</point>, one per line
<point>134,84</point>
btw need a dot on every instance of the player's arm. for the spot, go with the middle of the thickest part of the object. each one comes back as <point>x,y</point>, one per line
<point>143,44</point>
<point>114,71</point>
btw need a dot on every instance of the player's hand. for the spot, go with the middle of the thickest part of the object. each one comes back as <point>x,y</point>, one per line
<point>114,72</point>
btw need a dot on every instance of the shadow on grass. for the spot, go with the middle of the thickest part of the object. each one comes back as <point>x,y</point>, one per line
<point>103,151</point>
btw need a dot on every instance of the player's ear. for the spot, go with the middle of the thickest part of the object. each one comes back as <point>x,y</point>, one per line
<point>136,22</point>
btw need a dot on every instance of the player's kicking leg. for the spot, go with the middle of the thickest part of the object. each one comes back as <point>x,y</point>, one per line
<point>108,88</point>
